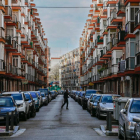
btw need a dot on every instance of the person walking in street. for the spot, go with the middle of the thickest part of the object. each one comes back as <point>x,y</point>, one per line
<point>66,96</point>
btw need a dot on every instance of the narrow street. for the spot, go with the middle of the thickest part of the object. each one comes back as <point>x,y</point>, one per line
<point>51,123</point>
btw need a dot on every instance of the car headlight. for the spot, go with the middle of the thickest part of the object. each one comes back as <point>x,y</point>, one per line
<point>20,105</point>
<point>131,125</point>
<point>10,113</point>
<point>103,108</point>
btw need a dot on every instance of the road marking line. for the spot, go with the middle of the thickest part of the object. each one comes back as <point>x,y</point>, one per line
<point>19,132</point>
<point>98,131</point>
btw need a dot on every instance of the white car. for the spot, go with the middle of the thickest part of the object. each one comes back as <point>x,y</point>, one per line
<point>22,103</point>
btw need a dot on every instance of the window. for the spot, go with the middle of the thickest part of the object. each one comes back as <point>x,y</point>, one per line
<point>133,12</point>
<point>132,48</point>
<point>118,60</point>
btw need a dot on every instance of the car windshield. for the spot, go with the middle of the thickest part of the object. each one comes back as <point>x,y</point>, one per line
<point>94,96</point>
<point>97,99</point>
<point>17,96</point>
<point>135,106</point>
<point>33,94</point>
<point>107,99</point>
<point>6,102</point>
<point>89,92</point>
<point>42,94</point>
<point>28,96</point>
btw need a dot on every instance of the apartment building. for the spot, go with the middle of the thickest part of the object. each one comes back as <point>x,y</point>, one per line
<point>70,70</point>
<point>24,52</point>
<point>110,42</point>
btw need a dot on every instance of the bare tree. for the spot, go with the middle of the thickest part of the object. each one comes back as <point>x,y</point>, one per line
<point>54,73</point>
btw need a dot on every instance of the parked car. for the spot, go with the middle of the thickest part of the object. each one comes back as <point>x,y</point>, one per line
<point>105,104</point>
<point>93,105</point>
<point>46,91</point>
<point>87,95</point>
<point>53,95</point>
<point>22,103</point>
<point>40,98</point>
<point>36,97</point>
<point>90,100</point>
<point>8,104</point>
<point>127,119</point>
<point>31,101</point>
<point>82,93</point>
<point>44,97</point>
<point>77,95</point>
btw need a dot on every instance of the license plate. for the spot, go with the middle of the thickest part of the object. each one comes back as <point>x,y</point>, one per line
<point>1,118</point>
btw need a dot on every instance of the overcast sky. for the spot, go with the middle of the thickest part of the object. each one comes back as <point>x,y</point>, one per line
<point>63,27</point>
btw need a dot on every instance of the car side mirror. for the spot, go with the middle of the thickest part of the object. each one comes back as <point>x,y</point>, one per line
<point>136,120</point>
<point>124,111</point>
<point>26,99</point>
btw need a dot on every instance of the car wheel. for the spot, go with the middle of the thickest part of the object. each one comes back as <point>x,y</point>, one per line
<point>25,117</point>
<point>99,116</point>
<point>33,113</point>
<point>125,137</point>
<point>37,110</point>
<point>16,121</point>
<point>28,115</point>
<point>119,134</point>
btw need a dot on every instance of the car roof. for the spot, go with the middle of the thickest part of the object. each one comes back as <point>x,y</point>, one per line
<point>111,95</point>
<point>91,89</point>
<point>5,97</point>
<point>16,92</point>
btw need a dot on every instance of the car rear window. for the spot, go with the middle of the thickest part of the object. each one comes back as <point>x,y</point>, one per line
<point>33,94</point>
<point>6,102</point>
<point>135,106</point>
<point>17,96</point>
<point>107,99</point>
<point>27,96</point>
<point>89,92</point>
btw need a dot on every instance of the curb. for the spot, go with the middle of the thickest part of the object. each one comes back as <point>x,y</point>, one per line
<point>10,133</point>
<point>108,133</point>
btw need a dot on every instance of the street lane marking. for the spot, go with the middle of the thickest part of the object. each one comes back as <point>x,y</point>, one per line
<point>19,132</point>
<point>99,131</point>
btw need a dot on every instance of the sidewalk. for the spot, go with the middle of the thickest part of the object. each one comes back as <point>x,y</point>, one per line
<point>10,132</point>
<point>114,131</point>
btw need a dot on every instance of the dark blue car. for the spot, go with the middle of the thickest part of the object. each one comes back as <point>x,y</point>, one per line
<point>8,105</point>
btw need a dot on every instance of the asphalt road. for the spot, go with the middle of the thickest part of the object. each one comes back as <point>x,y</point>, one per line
<point>52,123</point>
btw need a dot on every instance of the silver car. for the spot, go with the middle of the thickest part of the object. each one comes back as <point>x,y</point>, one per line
<point>126,118</point>
<point>105,104</point>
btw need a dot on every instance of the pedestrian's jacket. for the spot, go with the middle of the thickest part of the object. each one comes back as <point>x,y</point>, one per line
<point>66,95</point>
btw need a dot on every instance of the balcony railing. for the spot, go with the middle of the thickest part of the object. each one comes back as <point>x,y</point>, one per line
<point>2,65</point>
<point>8,40</point>
<point>14,18</point>
<point>137,47</point>
<point>113,15</point>
<point>2,2</point>
<point>121,66</point>
<point>130,63</point>
<point>115,69</point>
<point>114,42</point>
<point>120,7</point>
<point>137,18</point>
<point>121,35</point>
<point>129,28</point>
<point>2,33</point>
<point>8,11</point>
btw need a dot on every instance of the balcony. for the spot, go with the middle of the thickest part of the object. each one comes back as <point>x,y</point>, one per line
<point>137,18</point>
<point>9,68</point>
<point>8,14</point>
<point>129,28</point>
<point>2,2</point>
<point>2,33</point>
<point>115,69</point>
<point>121,41</point>
<point>114,42</point>
<point>120,9</point>
<point>121,68</point>
<point>130,63</point>
<point>109,46</point>
<point>16,71</point>
<point>109,71</point>
<point>18,25</point>
<point>137,47</point>
<point>2,65</point>
<point>99,41</point>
